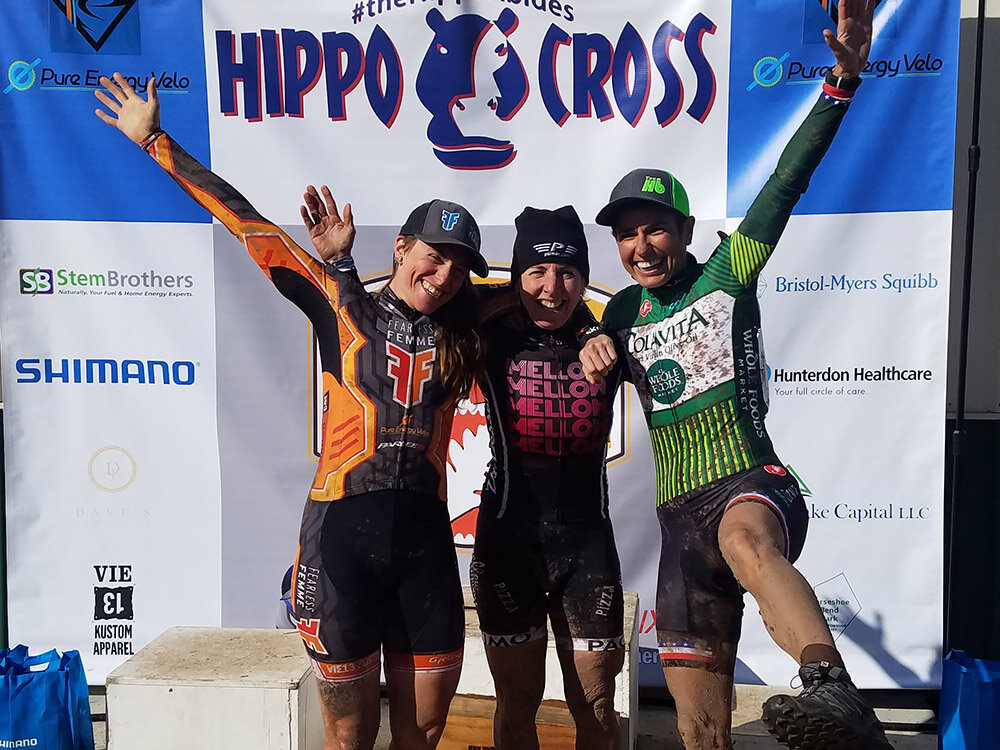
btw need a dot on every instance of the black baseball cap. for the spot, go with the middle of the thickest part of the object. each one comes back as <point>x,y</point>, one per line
<point>645,186</point>
<point>441,222</point>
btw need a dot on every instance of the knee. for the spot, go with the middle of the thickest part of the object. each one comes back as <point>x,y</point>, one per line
<point>701,730</point>
<point>418,736</point>
<point>594,707</point>
<point>517,700</point>
<point>749,553</point>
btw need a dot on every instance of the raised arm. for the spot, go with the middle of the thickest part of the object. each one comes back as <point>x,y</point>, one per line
<point>332,235</point>
<point>139,120</point>
<point>741,257</point>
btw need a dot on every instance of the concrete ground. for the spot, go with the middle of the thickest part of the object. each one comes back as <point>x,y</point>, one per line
<point>658,725</point>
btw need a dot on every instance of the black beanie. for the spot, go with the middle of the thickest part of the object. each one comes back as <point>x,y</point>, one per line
<point>545,236</point>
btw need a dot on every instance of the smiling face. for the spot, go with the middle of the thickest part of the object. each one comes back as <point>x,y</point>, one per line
<point>652,242</point>
<point>428,276</point>
<point>550,292</point>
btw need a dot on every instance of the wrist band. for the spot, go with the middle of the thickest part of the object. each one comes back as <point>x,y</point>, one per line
<point>148,140</point>
<point>848,84</point>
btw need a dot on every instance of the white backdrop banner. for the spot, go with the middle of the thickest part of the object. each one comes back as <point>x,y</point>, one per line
<point>160,396</point>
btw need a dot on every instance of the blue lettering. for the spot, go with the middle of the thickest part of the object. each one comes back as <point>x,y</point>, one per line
<point>183,373</point>
<point>155,364</point>
<point>28,368</point>
<point>588,80</point>
<point>547,82</point>
<point>385,92</point>
<point>246,72</point>
<point>341,79</point>
<point>132,369</point>
<point>631,57</point>
<point>270,49</point>
<point>673,94</point>
<point>704,97</point>
<point>104,368</point>
<point>299,79</point>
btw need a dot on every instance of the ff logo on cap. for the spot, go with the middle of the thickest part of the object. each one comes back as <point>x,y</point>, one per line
<point>449,219</point>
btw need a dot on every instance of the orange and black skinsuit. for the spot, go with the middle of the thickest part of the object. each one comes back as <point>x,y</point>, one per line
<point>376,563</point>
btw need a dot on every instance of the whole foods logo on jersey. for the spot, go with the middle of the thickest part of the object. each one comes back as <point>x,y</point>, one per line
<point>666,381</point>
<point>471,65</point>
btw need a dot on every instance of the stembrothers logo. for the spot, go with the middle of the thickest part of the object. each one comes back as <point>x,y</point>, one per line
<point>95,20</point>
<point>149,283</point>
<point>35,281</point>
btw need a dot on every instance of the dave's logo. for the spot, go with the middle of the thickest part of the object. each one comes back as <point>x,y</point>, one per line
<point>95,20</point>
<point>470,70</point>
<point>35,281</point>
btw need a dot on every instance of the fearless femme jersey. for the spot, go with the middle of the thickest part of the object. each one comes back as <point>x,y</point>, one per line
<point>386,416</point>
<point>693,346</point>
<point>548,426</point>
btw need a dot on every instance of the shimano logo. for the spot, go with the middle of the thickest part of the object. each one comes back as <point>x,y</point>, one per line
<point>31,742</point>
<point>125,371</point>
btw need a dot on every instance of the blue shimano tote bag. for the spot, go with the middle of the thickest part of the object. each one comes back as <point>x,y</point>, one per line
<point>44,701</point>
<point>969,718</point>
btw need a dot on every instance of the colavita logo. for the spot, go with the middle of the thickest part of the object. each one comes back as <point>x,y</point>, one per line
<point>124,371</point>
<point>95,21</point>
<point>470,74</point>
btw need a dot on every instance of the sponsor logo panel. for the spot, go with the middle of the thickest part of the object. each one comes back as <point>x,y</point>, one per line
<point>471,74</point>
<point>114,610</point>
<point>845,380</point>
<point>774,81</point>
<point>54,54</point>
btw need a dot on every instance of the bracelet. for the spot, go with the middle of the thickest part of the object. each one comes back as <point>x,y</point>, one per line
<point>148,140</point>
<point>848,84</point>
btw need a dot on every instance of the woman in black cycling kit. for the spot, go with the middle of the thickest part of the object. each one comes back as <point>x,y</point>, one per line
<point>375,569</point>
<point>544,544</point>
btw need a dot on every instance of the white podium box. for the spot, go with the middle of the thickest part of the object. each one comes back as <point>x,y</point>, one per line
<point>216,689</point>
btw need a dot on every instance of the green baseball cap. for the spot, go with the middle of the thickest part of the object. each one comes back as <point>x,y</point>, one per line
<point>645,186</point>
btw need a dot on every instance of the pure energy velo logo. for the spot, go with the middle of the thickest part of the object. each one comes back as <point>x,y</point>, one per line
<point>771,70</point>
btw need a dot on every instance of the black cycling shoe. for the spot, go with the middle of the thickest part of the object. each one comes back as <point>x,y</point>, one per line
<point>829,714</point>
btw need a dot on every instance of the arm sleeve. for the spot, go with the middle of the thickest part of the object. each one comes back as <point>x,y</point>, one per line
<point>292,270</point>
<point>739,258</point>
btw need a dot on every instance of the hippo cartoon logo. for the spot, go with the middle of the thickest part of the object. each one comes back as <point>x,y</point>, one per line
<point>470,78</point>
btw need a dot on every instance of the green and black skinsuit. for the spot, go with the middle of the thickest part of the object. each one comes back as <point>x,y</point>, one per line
<point>693,350</point>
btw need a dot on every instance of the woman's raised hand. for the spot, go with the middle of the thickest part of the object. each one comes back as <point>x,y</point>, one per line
<point>136,117</point>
